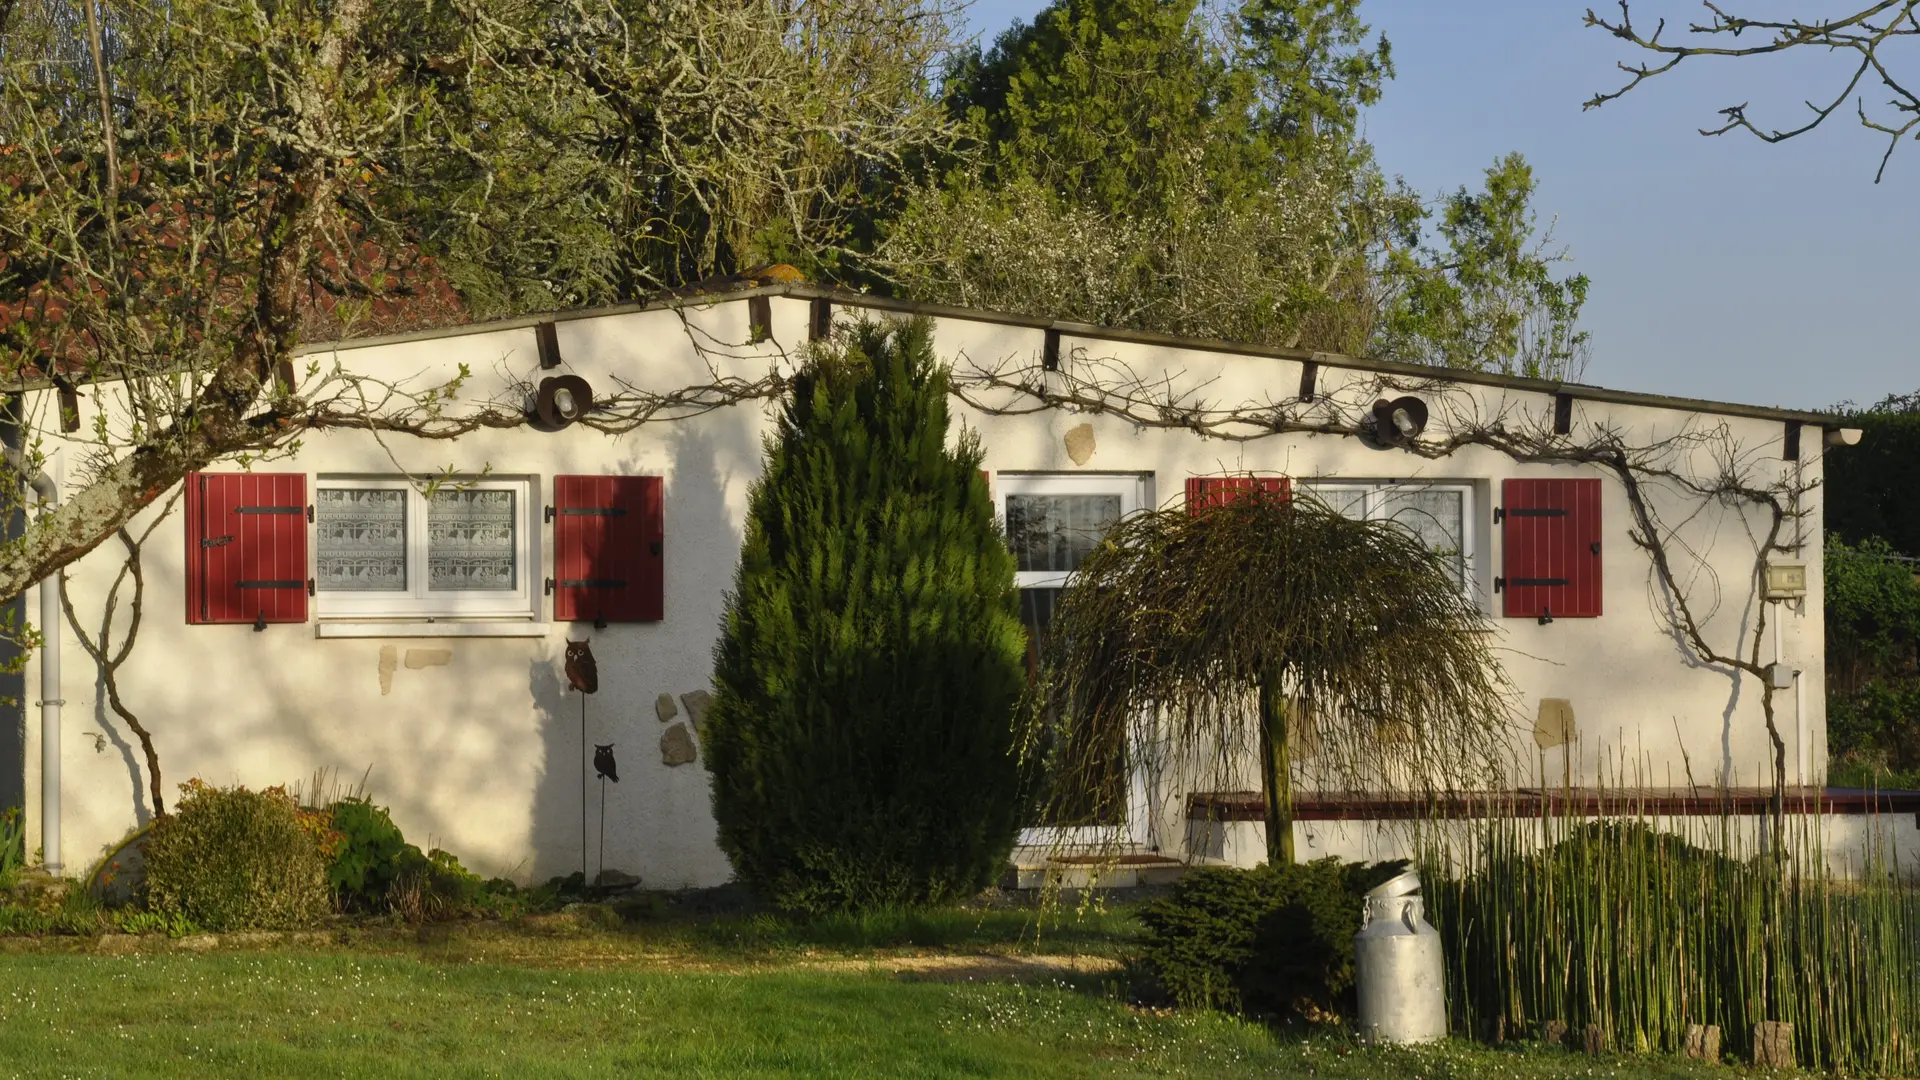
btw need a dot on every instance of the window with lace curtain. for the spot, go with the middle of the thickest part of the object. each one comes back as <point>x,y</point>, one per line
<point>385,548</point>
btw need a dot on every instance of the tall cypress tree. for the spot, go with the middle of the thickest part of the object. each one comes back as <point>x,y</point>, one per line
<point>861,736</point>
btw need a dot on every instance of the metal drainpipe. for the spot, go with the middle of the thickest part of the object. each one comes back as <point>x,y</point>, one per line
<point>50,700</point>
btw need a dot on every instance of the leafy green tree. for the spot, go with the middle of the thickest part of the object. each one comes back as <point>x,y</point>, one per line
<point>1488,299</point>
<point>1140,163</point>
<point>189,191</point>
<point>1159,165</point>
<point>861,737</point>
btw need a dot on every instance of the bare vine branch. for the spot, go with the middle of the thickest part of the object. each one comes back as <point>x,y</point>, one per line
<point>1107,386</point>
<point>107,657</point>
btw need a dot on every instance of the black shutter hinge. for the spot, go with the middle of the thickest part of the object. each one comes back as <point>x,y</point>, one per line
<point>1499,583</point>
<point>1499,514</point>
<point>549,514</point>
<point>309,515</point>
<point>549,586</point>
<point>310,589</point>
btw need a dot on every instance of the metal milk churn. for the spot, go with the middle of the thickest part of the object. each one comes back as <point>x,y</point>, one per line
<point>1398,968</point>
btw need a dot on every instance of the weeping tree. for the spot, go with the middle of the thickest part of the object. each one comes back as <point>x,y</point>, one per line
<point>1271,625</point>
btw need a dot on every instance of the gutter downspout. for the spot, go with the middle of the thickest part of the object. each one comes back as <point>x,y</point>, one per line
<point>50,701</point>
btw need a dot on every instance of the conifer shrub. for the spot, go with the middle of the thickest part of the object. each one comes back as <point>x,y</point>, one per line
<point>234,859</point>
<point>861,735</point>
<point>1276,940</point>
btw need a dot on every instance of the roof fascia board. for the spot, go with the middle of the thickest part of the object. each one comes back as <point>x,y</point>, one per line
<point>1579,391</point>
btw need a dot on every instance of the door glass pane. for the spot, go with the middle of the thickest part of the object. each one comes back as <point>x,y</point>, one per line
<point>470,541</point>
<point>360,542</point>
<point>1057,532</point>
<point>1078,800</point>
<point>1437,516</point>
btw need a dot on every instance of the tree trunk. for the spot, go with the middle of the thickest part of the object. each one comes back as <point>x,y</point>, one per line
<point>1276,771</point>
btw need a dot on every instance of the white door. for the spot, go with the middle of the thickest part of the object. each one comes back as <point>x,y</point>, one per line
<point>1053,521</point>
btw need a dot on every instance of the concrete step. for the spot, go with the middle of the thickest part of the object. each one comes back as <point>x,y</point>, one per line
<point>1105,871</point>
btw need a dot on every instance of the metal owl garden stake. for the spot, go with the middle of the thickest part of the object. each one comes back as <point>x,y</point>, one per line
<point>603,765</point>
<point>584,675</point>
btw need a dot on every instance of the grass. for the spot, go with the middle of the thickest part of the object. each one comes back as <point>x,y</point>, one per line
<point>1099,932</point>
<point>414,1013</point>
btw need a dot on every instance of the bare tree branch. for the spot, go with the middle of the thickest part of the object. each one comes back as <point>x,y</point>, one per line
<point>1866,33</point>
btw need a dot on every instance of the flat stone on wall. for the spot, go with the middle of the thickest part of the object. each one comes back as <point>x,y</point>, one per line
<point>676,746</point>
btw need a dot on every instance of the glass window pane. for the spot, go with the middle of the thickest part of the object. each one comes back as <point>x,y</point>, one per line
<point>470,541</point>
<point>1437,516</point>
<point>360,540</point>
<point>1056,533</point>
<point>1345,501</point>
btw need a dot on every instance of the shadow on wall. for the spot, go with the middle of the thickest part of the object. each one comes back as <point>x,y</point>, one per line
<point>658,820</point>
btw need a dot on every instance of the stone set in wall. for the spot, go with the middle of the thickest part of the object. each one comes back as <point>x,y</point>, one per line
<point>676,743</point>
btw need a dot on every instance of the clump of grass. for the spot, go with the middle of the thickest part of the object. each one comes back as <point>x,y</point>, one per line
<point>1622,925</point>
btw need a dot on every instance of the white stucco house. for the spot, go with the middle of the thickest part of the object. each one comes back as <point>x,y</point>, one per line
<point>320,611</point>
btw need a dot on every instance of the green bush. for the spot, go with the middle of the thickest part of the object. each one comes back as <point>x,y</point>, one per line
<point>435,886</point>
<point>1873,663</point>
<point>13,845</point>
<point>1273,940</point>
<point>233,859</point>
<point>1868,487</point>
<point>369,859</point>
<point>861,736</point>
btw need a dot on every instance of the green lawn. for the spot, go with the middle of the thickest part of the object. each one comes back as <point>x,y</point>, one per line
<point>617,1005</point>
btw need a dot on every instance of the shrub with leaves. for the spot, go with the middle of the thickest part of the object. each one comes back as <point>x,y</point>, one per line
<point>435,886</point>
<point>369,857</point>
<point>234,859</point>
<point>1275,940</point>
<point>861,737</point>
<point>1873,663</point>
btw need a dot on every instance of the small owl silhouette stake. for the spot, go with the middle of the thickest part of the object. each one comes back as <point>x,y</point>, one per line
<point>603,762</point>
<point>582,672</point>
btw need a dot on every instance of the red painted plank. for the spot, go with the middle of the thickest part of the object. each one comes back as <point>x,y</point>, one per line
<point>1204,492</point>
<point>1550,557</point>
<point>246,547</point>
<point>608,538</point>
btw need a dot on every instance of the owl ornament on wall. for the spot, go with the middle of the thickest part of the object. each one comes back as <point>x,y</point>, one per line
<point>582,672</point>
<point>603,763</point>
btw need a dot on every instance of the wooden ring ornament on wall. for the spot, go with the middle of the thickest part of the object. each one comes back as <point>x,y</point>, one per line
<point>562,400</point>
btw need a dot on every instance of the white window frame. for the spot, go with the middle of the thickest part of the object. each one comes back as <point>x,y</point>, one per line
<point>1135,491</point>
<point>418,601</point>
<point>1373,499</point>
<point>1131,487</point>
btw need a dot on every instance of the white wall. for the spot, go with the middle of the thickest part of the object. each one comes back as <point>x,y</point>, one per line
<point>481,756</point>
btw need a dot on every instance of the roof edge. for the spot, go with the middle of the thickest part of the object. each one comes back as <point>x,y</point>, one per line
<point>849,298</point>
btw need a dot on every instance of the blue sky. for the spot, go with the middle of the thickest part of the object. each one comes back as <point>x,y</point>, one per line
<point>1722,268</point>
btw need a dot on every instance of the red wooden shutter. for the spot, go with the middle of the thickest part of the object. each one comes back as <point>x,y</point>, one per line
<point>1209,491</point>
<point>1550,548</point>
<point>607,560</point>
<point>246,547</point>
